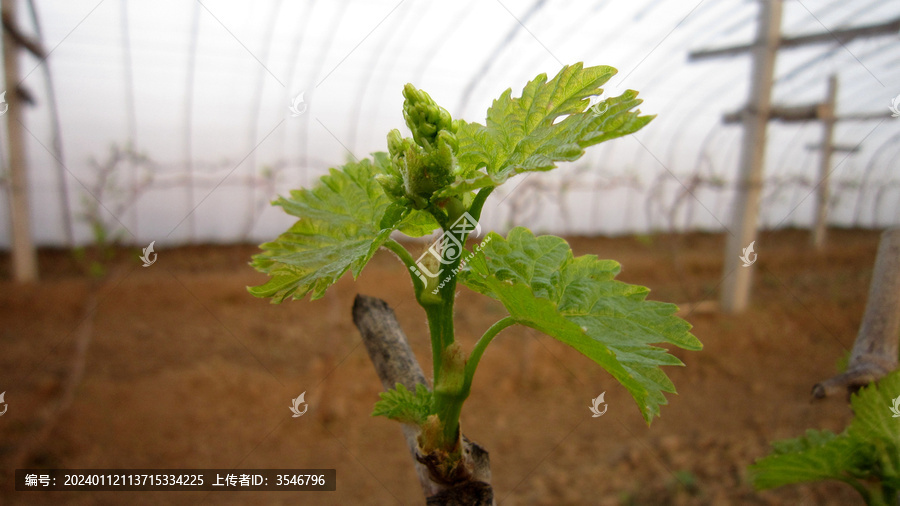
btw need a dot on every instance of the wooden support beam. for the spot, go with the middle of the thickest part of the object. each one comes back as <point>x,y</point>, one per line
<point>787,114</point>
<point>841,36</point>
<point>870,116</point>
<point>800,113</point>
<point>843,148</point>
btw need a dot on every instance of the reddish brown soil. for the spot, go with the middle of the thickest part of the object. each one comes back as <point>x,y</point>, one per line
<point>186,370</point>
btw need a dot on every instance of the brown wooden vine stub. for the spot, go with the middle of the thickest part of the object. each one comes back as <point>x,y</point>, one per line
<point>874,353</point>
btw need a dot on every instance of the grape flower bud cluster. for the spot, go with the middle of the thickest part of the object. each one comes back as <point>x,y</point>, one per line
<point>425,163</point>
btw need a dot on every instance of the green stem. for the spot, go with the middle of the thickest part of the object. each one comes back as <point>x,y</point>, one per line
<point>407,260</point>
<point>448,374</point>
<point>440,316</point>
<point>439,308</point>
<point>435,322</point>
<point>451,386</point>
<point>432,311</point>
<point>864,491</point>
<point>889,494</point>
<point>478,203</point>
<point>480,346</point>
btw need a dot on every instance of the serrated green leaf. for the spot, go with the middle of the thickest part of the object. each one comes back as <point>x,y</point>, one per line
<point>814,456</point>
<point>404,406</point>
<point>874,420</point>
<point>417,223</point>
<point>868,450</point>
<point>527,133</point>
<point>394,213</point>
<point>411,222</point>
<point>875,425</point>
<point>578,302</point>
<point>341,225</point>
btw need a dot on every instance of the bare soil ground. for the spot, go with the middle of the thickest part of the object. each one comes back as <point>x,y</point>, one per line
<point>186,370</point>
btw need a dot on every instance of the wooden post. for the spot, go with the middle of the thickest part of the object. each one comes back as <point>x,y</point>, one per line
<point>826,116</point>
<point>735,292</point>
<point>736,286</point>
<point>24,258</point>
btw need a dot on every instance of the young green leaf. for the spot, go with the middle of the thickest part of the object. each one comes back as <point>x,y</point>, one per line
<point>577,301</point>
<point>868,451</point>
<point>526,133</point>
<point>874,422</point>
<point>814,456</point>
<point>404,406</point>
<point>342,224</point>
